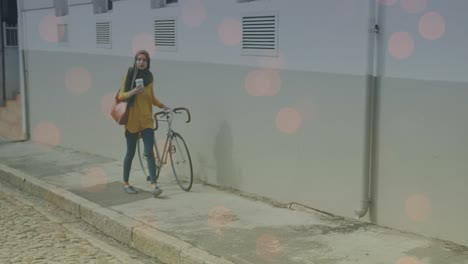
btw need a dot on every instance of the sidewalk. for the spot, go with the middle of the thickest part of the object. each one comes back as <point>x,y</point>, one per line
<point>205,225</point>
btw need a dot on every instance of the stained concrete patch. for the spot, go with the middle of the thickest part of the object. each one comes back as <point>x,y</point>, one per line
<point>263,245</point>
<point>4,141</point>
<point>56,162</point>
<point>110,194</point>
<point>439,252</point>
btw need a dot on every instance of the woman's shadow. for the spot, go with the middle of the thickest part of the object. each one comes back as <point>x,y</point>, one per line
<point>228,175</point>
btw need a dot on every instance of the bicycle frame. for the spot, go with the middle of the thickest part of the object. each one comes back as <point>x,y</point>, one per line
<point>162,159</point>
<point>170,148</point>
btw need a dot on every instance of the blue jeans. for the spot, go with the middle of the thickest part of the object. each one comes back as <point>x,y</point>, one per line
<point>148,142</point>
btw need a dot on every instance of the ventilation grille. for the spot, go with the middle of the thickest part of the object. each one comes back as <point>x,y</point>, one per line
<point>62,33</point>
<point>165,33</point>
<point>259,33</point>
<point>103,35</point>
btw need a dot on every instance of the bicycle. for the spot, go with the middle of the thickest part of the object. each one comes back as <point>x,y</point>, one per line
<point>174,147</point>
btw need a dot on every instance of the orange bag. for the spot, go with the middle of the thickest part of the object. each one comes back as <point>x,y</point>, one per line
<point>119,111</point>
<point>120,108</point>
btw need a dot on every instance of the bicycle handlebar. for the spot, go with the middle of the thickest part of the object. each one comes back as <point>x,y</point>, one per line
<point>174,110</point>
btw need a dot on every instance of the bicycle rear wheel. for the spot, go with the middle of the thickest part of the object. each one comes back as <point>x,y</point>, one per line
<point>181,162</point>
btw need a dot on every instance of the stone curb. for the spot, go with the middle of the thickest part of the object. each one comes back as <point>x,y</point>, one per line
<point>133,233</point>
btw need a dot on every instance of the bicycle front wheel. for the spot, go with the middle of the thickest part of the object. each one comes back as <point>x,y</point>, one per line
<point>181,162</point>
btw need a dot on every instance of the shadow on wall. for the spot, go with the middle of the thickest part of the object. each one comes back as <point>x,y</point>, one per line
<point>227,174</point>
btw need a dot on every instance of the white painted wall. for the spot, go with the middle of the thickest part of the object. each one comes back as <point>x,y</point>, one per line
<point>442,59</point>
<point>318,48</point>
<point>37,4</point>
<point>78,2</point>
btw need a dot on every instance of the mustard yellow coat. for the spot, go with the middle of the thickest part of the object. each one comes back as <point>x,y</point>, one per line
<point>140,115</point>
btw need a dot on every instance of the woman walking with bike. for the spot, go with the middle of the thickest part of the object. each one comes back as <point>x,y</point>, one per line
<point>137,90</point>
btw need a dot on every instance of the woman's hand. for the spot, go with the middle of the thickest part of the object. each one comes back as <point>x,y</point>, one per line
<point>138,90</point>
<point>166,108</point>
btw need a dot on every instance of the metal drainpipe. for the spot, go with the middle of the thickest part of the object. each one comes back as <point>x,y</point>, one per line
<point>369,159</point>
<point>371,113</point>
<point>22,47</point>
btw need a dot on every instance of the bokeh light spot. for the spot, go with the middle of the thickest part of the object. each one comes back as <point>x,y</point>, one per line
<point>107,101</point>
<point>401,45</point>
<point>78,80</point>
<point>413,6</point>
<point>193,13</point>
<point>263,82</point>
<point>94,179</point>
<point>288,120</point>
<point>268,247</point>
<point>432,26</point>
<point>408,260</point>
<point>46,134</point>
<point>143,41</point>
<point>219,218</point>
<point>230,32</point>
<point>48,28</point>
<point>418,207</point>
<point>388,2</point>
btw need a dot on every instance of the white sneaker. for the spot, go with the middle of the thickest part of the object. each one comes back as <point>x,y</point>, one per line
<point>157,191</point>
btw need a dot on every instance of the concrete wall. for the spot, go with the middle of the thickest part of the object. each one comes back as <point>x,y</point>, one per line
<point>423,145</point>
<point>304,142</point>
<point>236,139</point>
